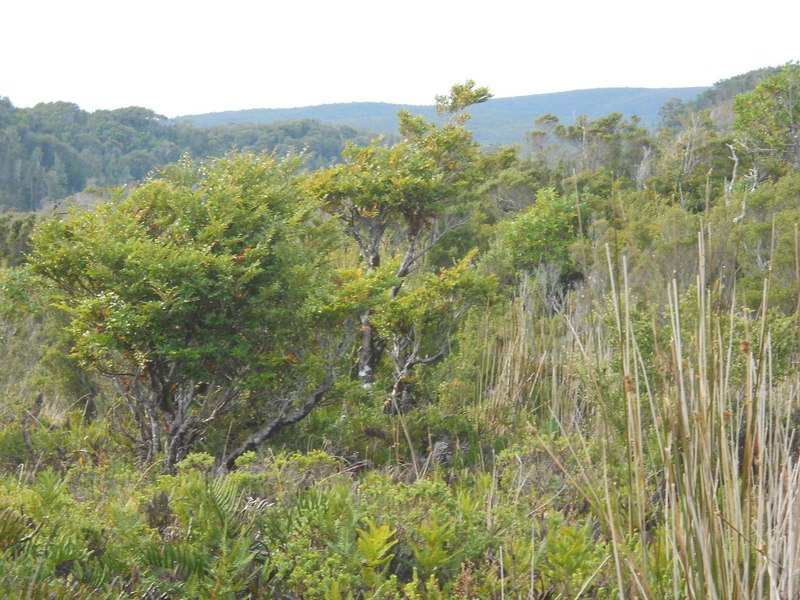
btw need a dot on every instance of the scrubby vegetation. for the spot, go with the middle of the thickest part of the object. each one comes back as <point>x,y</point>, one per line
<point>561,371</point>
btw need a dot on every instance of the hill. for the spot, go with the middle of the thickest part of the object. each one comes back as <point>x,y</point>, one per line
<point>501,121</point>
<point>56,149</point>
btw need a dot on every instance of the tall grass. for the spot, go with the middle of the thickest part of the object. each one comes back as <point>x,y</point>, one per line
<point>698,482</point>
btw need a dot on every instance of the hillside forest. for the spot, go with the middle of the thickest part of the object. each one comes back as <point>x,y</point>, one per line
<point>55,150</point>
<point>297,361</point>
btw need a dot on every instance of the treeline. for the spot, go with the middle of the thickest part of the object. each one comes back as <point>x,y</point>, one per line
<point>56,149</point>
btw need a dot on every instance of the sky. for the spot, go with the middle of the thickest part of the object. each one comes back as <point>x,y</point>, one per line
<point>180,57</point>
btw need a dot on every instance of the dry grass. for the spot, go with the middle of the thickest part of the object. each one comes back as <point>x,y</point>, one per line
<point>698,487</point>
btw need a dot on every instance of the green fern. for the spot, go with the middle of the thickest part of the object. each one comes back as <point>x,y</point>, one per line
<point>230,570</point>
<point>433,553</point>
<point>226,501</point>
<point>183,559</point>
<point>374,544</point>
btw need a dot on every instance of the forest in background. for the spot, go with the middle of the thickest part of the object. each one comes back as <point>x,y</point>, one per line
<point>55,149</point>
<point>566,369</point>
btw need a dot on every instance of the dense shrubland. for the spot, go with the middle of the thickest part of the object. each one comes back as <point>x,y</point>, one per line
<point>561,371</point>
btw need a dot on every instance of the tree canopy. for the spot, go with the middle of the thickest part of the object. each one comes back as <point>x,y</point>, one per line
<point>207,283</point>
<point>406,197</point>
<point>56,149</point>
<point>768,117</point>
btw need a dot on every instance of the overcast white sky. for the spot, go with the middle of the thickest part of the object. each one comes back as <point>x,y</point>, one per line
<point>186,57</point>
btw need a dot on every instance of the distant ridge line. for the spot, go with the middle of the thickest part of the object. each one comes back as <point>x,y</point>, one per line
<point>500,121</point>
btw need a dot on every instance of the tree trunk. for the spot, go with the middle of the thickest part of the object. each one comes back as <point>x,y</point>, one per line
<point>370,352</point>
<point>283,419</point>
<point>170,432</point>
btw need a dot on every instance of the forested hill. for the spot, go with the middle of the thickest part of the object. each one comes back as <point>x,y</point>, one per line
<point>501,121</point>
<point>54,150</point>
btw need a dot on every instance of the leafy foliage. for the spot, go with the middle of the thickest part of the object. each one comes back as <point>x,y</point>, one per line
<point>192,291</point>
<point>631,432</point>
<point>543,232</point>
<point>768,118</point>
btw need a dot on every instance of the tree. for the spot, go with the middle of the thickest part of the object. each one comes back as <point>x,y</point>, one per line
<point>404,199</point>
<point>543,233</point>
<point>768,118</point>
<point>207,287</point>
<point>688,156</point>
<point>611,142</point>
<point>418,324</point>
